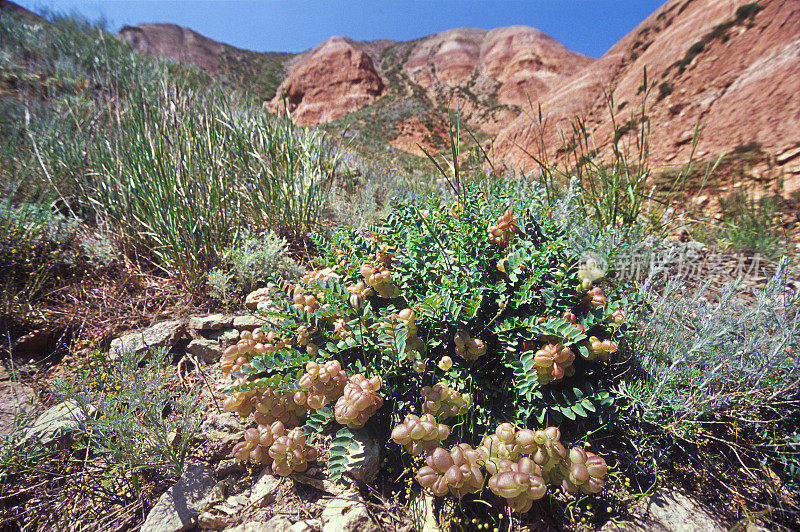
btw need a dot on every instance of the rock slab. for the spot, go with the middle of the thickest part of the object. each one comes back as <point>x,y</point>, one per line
<point>212,322</point>
<point>58,421</point>
<point>15,399</point>
<point>666,511</point>
<point>209,351</point>
<point>265,489</point>
<point>163,334</point>
<point>347,515</point>
<point>177,510</point>
<point>365,459</point>
<point>249,322</point>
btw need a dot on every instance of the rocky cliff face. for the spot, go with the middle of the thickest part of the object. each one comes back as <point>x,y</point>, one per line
<point>176,42</point>
<point>518,61</point>
<point>337,78</point>
<point>734,66</point>
<point>487,75</point>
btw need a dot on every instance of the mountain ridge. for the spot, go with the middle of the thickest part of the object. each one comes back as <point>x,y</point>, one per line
<point>731,65</point>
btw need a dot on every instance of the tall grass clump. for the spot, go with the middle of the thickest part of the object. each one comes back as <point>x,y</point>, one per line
<point>183,175</point>
<point>176,164</point>
<point>287,171</point>
<point>617,181</point>
<point>751,224</point>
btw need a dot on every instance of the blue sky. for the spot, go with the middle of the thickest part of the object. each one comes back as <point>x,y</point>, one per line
<point>587,26</point>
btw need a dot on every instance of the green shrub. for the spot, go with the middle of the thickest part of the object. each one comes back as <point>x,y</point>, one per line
<point>507,324</point>
<point>253,260</point>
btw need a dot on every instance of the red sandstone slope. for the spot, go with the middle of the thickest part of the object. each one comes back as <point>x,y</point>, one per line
<point>335,79</point>
<point>733,66</point>
<point>176,42</point>
<point>519,58</point>
<point>486,75</point>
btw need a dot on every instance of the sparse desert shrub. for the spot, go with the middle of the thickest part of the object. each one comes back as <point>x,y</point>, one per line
<point>133,418</point>
<point>252,260</point>
<point>708,358</point>
<point>34,243</point>
<point>722,375</point>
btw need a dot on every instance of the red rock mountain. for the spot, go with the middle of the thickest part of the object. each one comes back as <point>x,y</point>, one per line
<point>335,79</point>
<point>487,75</point>
<point>176,42</point>
<point>732,65</point>
<point>522,61</point>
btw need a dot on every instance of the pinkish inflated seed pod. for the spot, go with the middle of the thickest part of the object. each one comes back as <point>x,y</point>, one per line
<point>553,362</point>
<point>582,472</point>
<point>453,471</point>
<point>594,298</point>
<point>419,434</point>
<point>600,349</point>
<point>505,432</point>
<point>443,401</point>
<point>519,483</point>
<point>270,406</point>
<point>359,401</point>
<point>467,347</point>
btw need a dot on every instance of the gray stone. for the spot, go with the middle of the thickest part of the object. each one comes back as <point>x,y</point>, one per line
<point>302,526</point>
<point>267,305</point>
<point>347,515</point>
<point>217,493</point>
<point>364,461</point>
<point>209,351</point>
<point>253,526</point>
<point>265,488</point>
<point>318,483</point>
<point>279,523</point>
<point>225,338</point>
<point>16,399</point>
<point>212,521</point>
<point>212,322</point>
<point>224,422</point>
<point>164,334</point>
<point>236,500</point>
<point>179,508</point>
<point>666,511</point>
<point>226,467</point>
<point>248,322</point>
<point>255,297</point>
<point>58,422</point>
